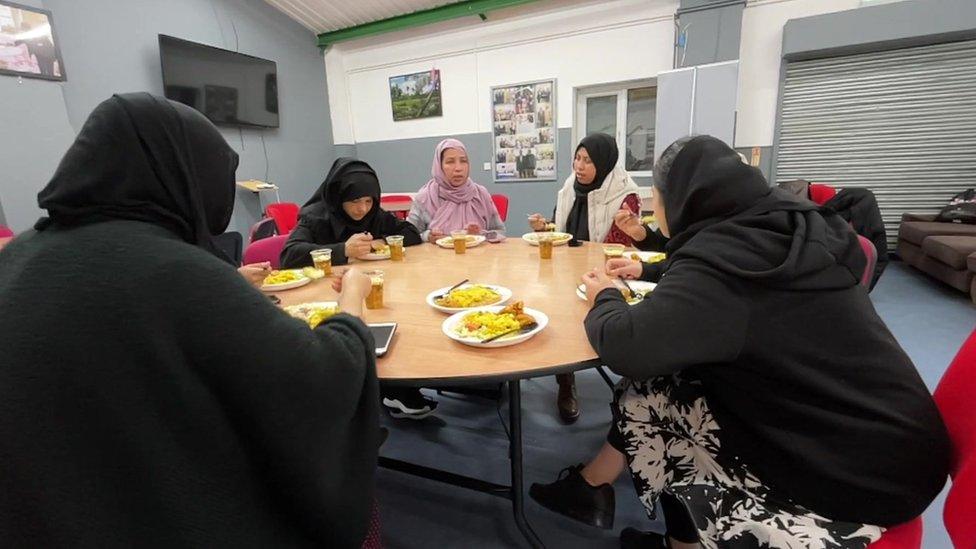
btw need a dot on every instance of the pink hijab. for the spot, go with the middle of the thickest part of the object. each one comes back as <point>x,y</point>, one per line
<point>453,208</point>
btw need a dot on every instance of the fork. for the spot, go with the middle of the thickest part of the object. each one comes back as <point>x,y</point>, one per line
<point>526,328</point>
<point>633,294</point>
<point>452,288</point>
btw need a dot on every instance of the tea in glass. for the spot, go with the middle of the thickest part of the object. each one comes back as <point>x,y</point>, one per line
<point>460,239</point>
<point>545,246</point>
<point>322,260</point>
<point>396,247</point>
<point>613,251</point>
<point>375,298</point>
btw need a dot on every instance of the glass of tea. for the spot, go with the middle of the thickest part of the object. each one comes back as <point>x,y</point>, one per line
<point>322,260</point>
<point>375,298</point>
<point>613,251</point>
<point>396,247</point>
<point>460,239</point>
<point>545,246</point>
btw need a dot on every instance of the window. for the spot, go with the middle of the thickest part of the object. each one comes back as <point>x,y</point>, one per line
<point>627,112</point>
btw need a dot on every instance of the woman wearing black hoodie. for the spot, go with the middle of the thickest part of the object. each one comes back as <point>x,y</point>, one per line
<point>764,402</point>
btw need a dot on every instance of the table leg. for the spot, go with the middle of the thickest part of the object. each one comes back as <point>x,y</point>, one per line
<point>515,454</point>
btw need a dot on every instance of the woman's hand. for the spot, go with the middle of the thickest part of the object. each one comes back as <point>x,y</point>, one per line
<point>537,222</point>
<point>255,273</point>
<point>596,281</point>
<point>353,287</point>
<point>624,268</point>
<point>435,235</point>
<point>359,245</point>
<point>474,228</point>
<point>630,223</point>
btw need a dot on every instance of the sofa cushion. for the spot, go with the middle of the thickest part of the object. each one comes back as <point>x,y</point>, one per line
<point>917,231</point>
<point>951,250</point>
<point>909,253</point>
<point>958,279</point>
<point>971,262</point>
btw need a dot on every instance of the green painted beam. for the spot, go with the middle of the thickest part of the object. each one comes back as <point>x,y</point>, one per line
<point>417,19</point>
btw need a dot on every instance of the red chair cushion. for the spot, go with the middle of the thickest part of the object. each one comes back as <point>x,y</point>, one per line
<point>903,536</point>
<point>820,193</point>
<point>954,398</point>
<point>501,204</point>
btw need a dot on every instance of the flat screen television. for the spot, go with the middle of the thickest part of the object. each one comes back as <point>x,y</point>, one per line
<point>229,88</point>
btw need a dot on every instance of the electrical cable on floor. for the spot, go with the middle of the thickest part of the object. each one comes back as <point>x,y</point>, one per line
<point>267,167</point>
<point>237,39</point>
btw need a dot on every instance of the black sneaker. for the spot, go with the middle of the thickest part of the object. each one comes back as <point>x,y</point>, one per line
<point>408,403</point>
<point>573,497</point>
<point>632,538</point>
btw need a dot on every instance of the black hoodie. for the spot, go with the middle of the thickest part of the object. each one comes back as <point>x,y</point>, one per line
<point>760,301</point>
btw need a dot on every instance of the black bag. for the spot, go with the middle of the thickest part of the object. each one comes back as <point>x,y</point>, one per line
<point>961,209</point>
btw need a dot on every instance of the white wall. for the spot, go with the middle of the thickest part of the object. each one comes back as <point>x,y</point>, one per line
<point>760,55</point>
<point>580,43</point>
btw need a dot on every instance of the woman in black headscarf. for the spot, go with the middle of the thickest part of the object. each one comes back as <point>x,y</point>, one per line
<point>764,402</point>
<point>148,394</point>
<point>585,208</point>
<point>344,214</point>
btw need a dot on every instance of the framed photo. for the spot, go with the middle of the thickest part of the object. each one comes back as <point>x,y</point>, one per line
<point>28,47</point>
<point>523,121</point>
<point>416,95</point>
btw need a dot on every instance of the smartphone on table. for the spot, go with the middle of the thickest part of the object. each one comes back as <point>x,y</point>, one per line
<point>383,334</point>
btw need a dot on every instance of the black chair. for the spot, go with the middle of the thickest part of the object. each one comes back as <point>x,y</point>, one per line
<point>232,244</point>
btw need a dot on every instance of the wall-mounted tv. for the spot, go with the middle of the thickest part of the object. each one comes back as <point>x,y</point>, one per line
<point>229,88</point>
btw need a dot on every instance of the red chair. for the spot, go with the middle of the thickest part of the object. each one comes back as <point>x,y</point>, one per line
<point>903,536</point>
<point>266,249</point>
<point>285,215</point>
<point>501,204</point>
<point>398,204</point>
<point>872,255</point>
<point>954,397</point>
<point>263,229</point>
<point>821,193</point>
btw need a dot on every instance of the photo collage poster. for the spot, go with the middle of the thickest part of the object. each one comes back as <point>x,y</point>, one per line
<point>524,131</point>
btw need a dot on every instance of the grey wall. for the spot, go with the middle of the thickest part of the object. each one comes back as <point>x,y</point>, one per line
<point>887,26</point>
<point>110,46</point>
<point>714,29</point>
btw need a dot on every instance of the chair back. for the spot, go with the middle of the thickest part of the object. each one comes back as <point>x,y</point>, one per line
<point>285,215</point>
<point>501,204</point>
<point>266,249</point>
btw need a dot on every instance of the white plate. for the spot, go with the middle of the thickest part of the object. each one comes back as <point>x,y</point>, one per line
<point>448,328</point>
<point>502,291</point>
<point>637,285</point>
<point>301,281</point>
<point>375,256</point>
<point>448,242</point>
<point>302,310</point>
<point>559,238</point>
<point>646,257</point>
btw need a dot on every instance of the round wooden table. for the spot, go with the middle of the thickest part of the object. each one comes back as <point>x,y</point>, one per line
<point>422,355</point>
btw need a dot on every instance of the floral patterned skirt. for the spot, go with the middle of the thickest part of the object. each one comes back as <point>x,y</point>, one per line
<point>672,445</point>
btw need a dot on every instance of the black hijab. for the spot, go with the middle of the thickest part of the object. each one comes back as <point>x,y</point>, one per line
<point>348,180</point>
<point>144,158</point>
<point>722,211</point>
<point>602,149</point>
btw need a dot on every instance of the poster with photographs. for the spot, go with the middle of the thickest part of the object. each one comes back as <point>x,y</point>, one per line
<point>524,131</point>
<point>28,47</point>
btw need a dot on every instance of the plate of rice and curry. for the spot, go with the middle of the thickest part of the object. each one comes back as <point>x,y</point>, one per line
<point>284,279</point>
<point>498,326</point>
<point>467,296</point>
<point>639,287</point>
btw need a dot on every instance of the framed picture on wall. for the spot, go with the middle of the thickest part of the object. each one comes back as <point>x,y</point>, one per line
<point>523,121</point>
<point>28,47</point>
<point>416,95</point>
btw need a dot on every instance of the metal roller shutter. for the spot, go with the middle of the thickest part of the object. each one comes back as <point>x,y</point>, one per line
<point>901,123</point>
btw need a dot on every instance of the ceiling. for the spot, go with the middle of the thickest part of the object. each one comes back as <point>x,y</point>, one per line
<point>330,15</point>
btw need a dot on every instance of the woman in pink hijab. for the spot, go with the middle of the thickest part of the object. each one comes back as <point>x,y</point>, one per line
<point>451,201</point>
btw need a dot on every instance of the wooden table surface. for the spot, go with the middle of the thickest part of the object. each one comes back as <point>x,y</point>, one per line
<point>421,353</point>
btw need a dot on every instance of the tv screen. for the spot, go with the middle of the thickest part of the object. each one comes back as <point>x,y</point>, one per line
<point>228,88</point>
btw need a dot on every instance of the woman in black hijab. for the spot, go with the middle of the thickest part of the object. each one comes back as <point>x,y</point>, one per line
<point>585,208</point>
<point>148,394</point>
<point>763,400</point>
<point>344,214</point>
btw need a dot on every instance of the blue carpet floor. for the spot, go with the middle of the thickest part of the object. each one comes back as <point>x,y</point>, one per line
<point>466,436</point>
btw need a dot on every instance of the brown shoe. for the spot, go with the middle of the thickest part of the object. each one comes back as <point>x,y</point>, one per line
<point>566,401</point>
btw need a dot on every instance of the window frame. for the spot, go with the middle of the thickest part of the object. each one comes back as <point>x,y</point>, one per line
<point>618,89</point>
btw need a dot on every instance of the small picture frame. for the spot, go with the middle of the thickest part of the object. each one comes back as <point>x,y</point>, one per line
<point>28,45</point>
